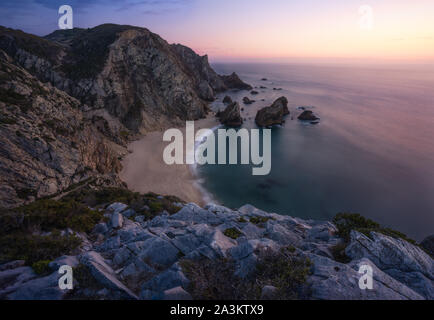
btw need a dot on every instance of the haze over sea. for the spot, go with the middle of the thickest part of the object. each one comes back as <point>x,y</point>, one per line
<point>372,153</point>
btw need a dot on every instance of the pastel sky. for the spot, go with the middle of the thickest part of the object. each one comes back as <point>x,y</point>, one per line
<point>254,30</point>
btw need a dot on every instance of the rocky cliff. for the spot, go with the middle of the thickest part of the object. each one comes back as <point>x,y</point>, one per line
<point>182,251</point>
<point>130,72</point>
<point>72,100</point>
<point>47,143</point>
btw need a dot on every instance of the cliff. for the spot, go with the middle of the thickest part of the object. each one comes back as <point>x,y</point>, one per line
<point>47,143</point>
<point>72,100</point>
<point>131,72</point>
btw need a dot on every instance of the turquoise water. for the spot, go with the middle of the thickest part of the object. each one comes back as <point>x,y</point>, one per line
<point>372,153</point>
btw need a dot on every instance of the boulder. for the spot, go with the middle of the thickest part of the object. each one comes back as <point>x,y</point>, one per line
<point>116,207</point>
<point>390,253</point>
<point>104,274</point>
<point>269,293</point>
<point>231,116</point>
<point>169,279</point>
<point>101,228</point>
<point>405,262</point>
<point>117,220</point>
<point>159,252</point>
<point>307,115</point>
<point>12,279</point>
<point>273,114</point>
<point>331,280</point>
<point>44,288</point>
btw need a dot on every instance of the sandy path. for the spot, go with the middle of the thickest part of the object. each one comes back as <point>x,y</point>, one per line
<point>144,169</point>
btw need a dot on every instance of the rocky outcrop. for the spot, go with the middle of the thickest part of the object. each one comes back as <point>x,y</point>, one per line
<point>231,116</point>
<point>208,82</point>
<point>246,100</point>
<point>307,115</point>
<point>401,260</point>
<point>143,259</point>
<point>132,73</point>
<point>47,141</point>
<point>227,100</point>
<point>273,114</point>
<point>233,81</point>
<point>428,245</point>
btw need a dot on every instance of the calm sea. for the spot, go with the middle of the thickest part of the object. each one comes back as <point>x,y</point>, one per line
<point>372,153</point>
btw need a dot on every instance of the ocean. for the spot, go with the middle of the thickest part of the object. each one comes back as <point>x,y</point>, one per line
<point>372,152</point>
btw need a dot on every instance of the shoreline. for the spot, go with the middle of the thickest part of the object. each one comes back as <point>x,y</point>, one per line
<point>144,169</point>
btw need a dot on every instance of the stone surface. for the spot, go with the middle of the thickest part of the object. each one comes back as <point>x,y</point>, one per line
<point>104,274</point>
<point>178,294</point>
<point>117,220</point>
<point>274,114</point>
<point>307,115</point>
<point>143,259</point>
<point>269,293</point>
<point>233,81</point>
<point>231,116</point>
<point>428,245</point>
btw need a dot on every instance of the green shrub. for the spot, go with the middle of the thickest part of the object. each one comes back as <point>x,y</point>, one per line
<point>102,196</point>
<point>41,267</point>
<point>285,271</point>
<point>215,279</point>
<point>48,215</point>
<point>259,219</point>
<point>233,233</point>
<point>136,201</point>
<point>34,248</point>
<point>345,222</point>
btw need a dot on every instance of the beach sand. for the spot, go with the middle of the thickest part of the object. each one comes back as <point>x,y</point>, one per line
<point>144,169</point>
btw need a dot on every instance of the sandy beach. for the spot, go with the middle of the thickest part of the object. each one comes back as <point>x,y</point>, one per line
<point>144,169</point>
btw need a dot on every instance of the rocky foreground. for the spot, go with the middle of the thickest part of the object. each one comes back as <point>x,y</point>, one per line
<point>215,252</point>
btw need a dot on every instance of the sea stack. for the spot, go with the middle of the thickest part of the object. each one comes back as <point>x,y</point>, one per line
<point>273,114</point>
<point>308,115</point>
<point>231,116</point>
<point>246,100</point>
<point>233,81</point>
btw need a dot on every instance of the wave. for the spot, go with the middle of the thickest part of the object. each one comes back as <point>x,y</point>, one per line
<point>200,182</point>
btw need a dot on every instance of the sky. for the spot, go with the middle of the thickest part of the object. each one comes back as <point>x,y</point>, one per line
<point>256,30</point>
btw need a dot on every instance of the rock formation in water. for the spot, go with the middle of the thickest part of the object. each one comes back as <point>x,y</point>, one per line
<point>231,116</point>
<point>273,114</point>
<point>307,115</point>
<point>233,81</point>
<point>246,100</point>
<point>214,252</point>
<point>227,100</point>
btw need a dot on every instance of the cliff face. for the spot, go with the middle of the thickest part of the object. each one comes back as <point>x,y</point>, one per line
<point>46,142</point>
<point>70,101</point>
<point>131,72</point>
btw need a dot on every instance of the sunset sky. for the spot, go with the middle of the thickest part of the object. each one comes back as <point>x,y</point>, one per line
<point>254,30</point>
